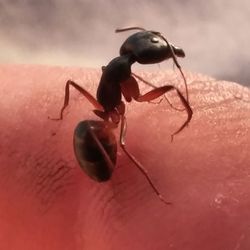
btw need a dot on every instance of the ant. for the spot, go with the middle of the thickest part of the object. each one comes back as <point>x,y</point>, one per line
<point>94,143</point>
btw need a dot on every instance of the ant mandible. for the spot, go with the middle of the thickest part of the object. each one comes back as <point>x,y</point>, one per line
<point>94,142</point>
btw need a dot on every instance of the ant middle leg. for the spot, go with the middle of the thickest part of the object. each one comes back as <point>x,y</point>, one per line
<point>89,97</point>
<point>133,159</point>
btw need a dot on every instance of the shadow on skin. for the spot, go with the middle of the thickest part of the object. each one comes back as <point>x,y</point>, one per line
<point>47,202</point>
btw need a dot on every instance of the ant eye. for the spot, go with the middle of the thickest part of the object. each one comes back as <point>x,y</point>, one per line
<point>154,40</point>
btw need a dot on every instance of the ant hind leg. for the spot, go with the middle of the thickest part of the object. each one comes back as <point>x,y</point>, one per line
<point>133,159</point>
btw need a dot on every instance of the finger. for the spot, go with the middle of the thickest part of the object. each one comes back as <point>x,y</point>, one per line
<point>47,199</point>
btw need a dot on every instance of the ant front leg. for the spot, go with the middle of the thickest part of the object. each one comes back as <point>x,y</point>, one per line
<point>130,85</point>
<point>153,94</point>
<point>133,159</point>
<point>89,97</point>
<point>153,86</point>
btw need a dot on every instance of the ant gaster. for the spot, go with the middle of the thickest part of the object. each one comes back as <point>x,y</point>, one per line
<point>94,142</point>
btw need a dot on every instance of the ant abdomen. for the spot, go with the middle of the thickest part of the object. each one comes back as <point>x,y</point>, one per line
<point>95,149</point>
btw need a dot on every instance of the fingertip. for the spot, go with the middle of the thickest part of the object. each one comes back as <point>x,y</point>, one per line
<point>203,173</point>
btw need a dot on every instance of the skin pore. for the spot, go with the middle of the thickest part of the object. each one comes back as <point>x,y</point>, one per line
<point>47,202</point>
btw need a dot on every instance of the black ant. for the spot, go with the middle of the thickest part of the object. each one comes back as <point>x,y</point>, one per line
<point>95,145</point>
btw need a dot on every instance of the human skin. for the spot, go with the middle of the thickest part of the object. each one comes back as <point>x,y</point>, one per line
<point>47,202</point>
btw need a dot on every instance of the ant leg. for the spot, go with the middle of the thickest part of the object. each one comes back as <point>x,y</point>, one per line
<point>133,159</point>
<point>89,97</point>
<point>144,81</point>
<point>102,149</point>
<point>130,90</point>
<point>155,93</point>
<point>103,115</point>
<point>153,86</point>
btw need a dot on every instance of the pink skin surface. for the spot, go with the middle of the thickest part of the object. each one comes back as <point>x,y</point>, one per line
<point>48,203</point>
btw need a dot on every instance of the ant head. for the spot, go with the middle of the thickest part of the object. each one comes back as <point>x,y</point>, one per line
<point>149,47</point>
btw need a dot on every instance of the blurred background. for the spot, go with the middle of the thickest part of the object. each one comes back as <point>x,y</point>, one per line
<point>215,34</point>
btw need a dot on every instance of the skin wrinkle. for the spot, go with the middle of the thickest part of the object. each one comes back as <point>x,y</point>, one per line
<point>110,215</point>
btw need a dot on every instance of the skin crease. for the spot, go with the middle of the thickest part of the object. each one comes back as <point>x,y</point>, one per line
<point>47,202</point>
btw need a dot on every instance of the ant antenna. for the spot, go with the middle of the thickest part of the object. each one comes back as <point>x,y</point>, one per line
<point>129,28</point>
<point>177,65</point>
